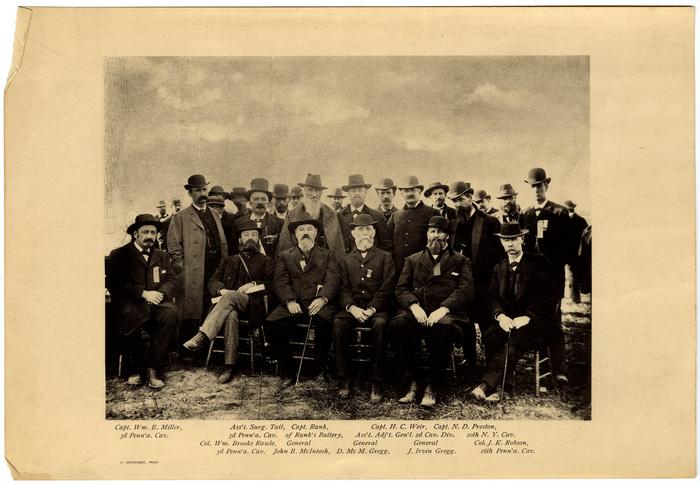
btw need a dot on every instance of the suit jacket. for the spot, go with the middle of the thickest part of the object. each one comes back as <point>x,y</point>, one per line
<point>366,282</point>
<point>486,249</point>
<point>332,232</point>
<point>535,294</point>
<point>187,243</point>
<point>408,235</point>
<point>228,219</point>
<point>269,233</point>
<point>296,281</point>
<point>387,214</point>
<point>447,211</point>
<point>492,212</point>
<point>453,288</point>
<point>231,275</point>
<point>128,275</point>
<point>382,239</point>
<point>577,225</point>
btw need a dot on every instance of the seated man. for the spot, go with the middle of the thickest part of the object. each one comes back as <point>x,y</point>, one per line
<point>435,291</point>
<point>367,278</point>
<point>241,281</point>
<point>142,284</point>
<point>306,282</point>
<point>523,302</point>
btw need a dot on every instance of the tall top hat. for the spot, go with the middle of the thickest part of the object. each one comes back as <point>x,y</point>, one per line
<point>410,182</point>
<point>385,184</point>
<point>196,182</point>
<point>300,218</point>
<point>280,191</point>
<point>259,185</point>
<point>536,176</point>
<point>510,230</point>
<point>312,180</point>
<point>438,222</point>
<point>336,193</point>
<point>433,186</point>
<point>457,189</point>
<point>143,220</point>
<point>506,190</point>
<point>356,180</point>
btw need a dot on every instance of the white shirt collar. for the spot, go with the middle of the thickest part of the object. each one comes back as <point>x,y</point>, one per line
<point>541,206</point>
<point>517,260</point>
<point>352,209</point>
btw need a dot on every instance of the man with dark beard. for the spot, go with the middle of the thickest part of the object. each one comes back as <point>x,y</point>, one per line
<point>510,209</point>
<point>258,198</point>
<point>241,281</point>
<point>280,199</point>
<point>435,291</point>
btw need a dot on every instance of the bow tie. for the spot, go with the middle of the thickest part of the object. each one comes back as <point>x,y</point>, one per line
<point>259,221</point>
<point>146,252</point>
<point>513,265</point>
<point>355,213</point>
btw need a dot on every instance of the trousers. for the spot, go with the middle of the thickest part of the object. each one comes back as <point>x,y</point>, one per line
<point>343,325</point>
<point>226,312</point>
<point>278,335</point>
<point>149,343</point>
<point>496,339</point>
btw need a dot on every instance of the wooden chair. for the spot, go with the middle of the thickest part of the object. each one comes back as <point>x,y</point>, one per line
<point>532,361</point>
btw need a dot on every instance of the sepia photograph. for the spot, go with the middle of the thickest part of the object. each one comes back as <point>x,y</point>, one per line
<point>340,237</point>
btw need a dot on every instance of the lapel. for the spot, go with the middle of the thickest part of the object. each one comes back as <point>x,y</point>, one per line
<point>298,257</point>
<point>447,262</point>
<point>137,254</point>
<point>476,234</point>
<point>523,275</point>
<point>426,262</point>
<point>194,217</point>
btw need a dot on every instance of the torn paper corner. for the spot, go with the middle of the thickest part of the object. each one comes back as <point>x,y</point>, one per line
<point>24,17</point>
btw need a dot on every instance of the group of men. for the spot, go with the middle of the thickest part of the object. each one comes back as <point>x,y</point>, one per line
<point>408,275</point>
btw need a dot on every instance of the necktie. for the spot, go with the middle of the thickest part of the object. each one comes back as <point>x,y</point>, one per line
<point>146,253</point>
<point>513,265</point>
<point>355,213</point>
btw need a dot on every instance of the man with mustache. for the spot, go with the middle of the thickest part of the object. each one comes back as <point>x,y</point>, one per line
<point>386,191</point>
<point>474,237</point>
<point>510,209</point>
<point>142,284</point>
<point>295,196</point>
<point>197,244</point>
<point>437,191</point>
<point>336,197</point>
<point>216,199</point>
<point>258,197</point>
<point>405,226</point>
<point>330,227</point>
<point>367,279</point>
<point>306,282</point>
<point>242,281</point>
<point>483,201</point>
<point>280,199</point>
<point>357,191</point>
<point>435,292</point>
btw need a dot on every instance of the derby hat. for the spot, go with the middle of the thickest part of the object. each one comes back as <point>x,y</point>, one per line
<point>161,203</point>
<point>363,220</point>
<point>506,190</point>
<point>385,184</point>
<point>356,180</point>
<point>296,192</point>
<point>480,195</point>
<point>237,192</point>
<point>433,186</point>
<point>259,185</point>
<point>302,218</point>
<point>312,180</point>
<point>410,182</point>
<point>438,222</point>
<point>217,190</point>
<point>176,200</point>
<point>196,182</point>
<point>247,225</point>
<point>457,189</point>
<point>337,193</point>
<point>281,191</point>
<point>144,220</point>
<point>510,230</point>
<point>568,203</point>
<point>536,176</point>
<point>216,199</point>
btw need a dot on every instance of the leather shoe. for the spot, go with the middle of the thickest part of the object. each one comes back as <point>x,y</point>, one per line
<point>154,381</point>
<point>226,374</point>
<point>344,391</point>
<point>428,400</point>
<point>410,395</point>
<point>376,395</point>
<point>479,392</point>
<point>493,397</point>
<point>134,380</point>
<point>196,342</point>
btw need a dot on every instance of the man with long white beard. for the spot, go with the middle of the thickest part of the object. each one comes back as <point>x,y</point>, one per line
<point>435,291</point>
<point>242,281</point>
<point>367,276</point>
<point>306,282</point>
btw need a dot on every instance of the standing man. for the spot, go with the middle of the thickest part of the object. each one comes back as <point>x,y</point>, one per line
<point>217,200</point>
<point>258,197</point>
<point>510,209</point>
<point>295,196</point>
<point>162,214</point>
<point>337,197</point>
<point>165,224</point>
<point>197,244</point>
<point>577,226</point>
<point>522,302</point>
<point>435,291</point>
<point>474,237</point>
<point>280,200</point>
<point>306,282</point>
<point>405,226</point>
<point>548,224</point>
<point>367,277</point>
<point>239,199</point>
<point>242,281</point>
<point>386,191</point>
<point>437,192</point>
<point>357,190</point>
<point>142,283</point>
<point>483,201</point>
<point>330,232</point>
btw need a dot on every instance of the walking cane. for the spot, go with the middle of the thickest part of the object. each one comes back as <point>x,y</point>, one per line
<point>505,367</point>
<point>306,340</point>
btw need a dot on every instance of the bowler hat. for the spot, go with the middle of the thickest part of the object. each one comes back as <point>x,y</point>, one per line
<point>237,192</point>
<point>438,222</point>
<point>259,185</point>
<point>196,182</point>
<point>433,186</point>
<point>356,180</point>
<point>247,225</point>
<point>506,190</point>
<point>295,192</point>
<point>160,204</point>
<point>217,189</point>
<point>143,220</point>
<point>410,182</point>
<point>363,220</point>
<point>176,200</point>
<point>302,218</point>
<point>385,184</point>
<point>481,195</point>
<point>569,204</point>
<point>280,191</point>
<point>216,199</point>
<point>457,189</point>
<point>312,180</point>
<point>337,193</point>
<point>510,230</point>
<point>536,176</point>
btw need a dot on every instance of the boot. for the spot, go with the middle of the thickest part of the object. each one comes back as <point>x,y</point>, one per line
<point>196,342</point>
<point>226,374</point>
<point>428,400</point>
<point>154,381</point>
<point>134,380</point>
<point>410,395</point>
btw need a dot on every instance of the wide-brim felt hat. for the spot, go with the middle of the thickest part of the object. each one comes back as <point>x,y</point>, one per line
<point>218,189</point>
<point>410,182</point>
<point>237,192</point>
<point>438,222</point>
<point>506,190</point>
<point>160,204</point>
<point>312,180</point>
<point>216,199</point>
<point>303,218</point>
<point>176,200</point>
<point>536,176</point>
<point>281,191</point>
<point>196,182</point>
<point>246,226</point>
<point>356,180</point>
<point>385,184</point>
<point>144,220</point>
<point>458,189</point>
<point>259,185</point>
<point>336,193</point>
<point>480,195</point>
<point>363,220</point>
<point>433,186</point>
<point>510,230</point>
<point>296,192</point>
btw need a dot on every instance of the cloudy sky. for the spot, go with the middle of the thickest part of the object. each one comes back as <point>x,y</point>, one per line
<point>485,120</point>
